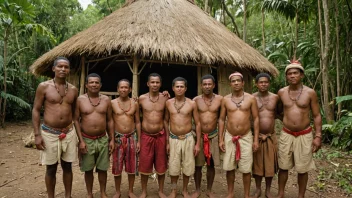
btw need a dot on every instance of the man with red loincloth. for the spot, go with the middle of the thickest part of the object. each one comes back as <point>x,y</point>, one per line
<point>127,135</point>
<point>265,159</point>
<point>237,141</point>
<point>208,105</point>
<point>297,142</point>
<point>178,126</point>
<point>56,137</point>
<point>93,115</point>
<point>153,135</point>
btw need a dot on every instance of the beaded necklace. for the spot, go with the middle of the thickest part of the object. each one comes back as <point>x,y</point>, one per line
<point>263,102</point>
<point>94,105</point>
<point>125,111</point>
<point>238,104</point>
<point>297,98</point>
<point>178,109</point>
<point>211,100</point>
<point>153,101</point>
<point>58,91</point>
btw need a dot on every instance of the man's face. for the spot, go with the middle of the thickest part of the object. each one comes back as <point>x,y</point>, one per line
<point>294,76</point>
<point>93,85</point>
<point>236,83</point>
<point>124,89</point>
<point>179,88</point>
<point>61,69</point>
<point>263,84</point>
<point>208,86</point>
<point>154,83</point>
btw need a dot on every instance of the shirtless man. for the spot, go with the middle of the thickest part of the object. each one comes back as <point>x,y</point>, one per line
<point>297,142</point>
<point>208,105</point>
<point>265,159</point>
<point>57,131</point>
<point>237,143</point>
<point>153,135</point>
<point>127,123</point>
<point>93,116</point>
<point>181,147</point>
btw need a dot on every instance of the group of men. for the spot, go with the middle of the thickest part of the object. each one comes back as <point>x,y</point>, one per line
<point>178,134</point>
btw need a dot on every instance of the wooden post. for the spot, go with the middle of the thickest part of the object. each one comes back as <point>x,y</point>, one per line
<point>199,76</point>
<point>83,76</point>
<point>135,79</point>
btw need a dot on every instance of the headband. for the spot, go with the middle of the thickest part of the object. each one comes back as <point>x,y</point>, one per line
<point>235,74</point>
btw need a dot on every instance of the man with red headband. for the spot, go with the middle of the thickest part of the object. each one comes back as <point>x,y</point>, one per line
<point>297,142</point>
<point>237,141</point>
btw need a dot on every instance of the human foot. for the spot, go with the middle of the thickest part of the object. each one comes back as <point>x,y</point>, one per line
<point>196,194</point>
<point>185,194</point>
<point>210,194</point>
<point>131,195</point>
<point>103,195</point>
<point>117,195</point>
<point>230,195</point>
<point>143,195</point>
<point>161,194</point>
<point>257,194</point>
<point>173,194</point>
<point>90,196</point>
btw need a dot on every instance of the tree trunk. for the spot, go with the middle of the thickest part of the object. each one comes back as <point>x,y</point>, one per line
<point>338,91</point>
<point>206,6</point>
<point>244,20</point>
<point>235,29</point>
<point>296,37</point>
<point>263,32</point>
<point>328,112</point>
<point>3,108</point>
<point>135,79</point>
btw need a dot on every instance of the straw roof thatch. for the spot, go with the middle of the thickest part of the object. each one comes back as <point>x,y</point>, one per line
<point>174,30</point>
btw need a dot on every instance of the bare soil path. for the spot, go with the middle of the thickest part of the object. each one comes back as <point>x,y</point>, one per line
<point>21,176</point>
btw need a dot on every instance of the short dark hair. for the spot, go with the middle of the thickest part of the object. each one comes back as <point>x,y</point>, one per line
<point>179,79</point>
<point>155,75</point>
<point>208,76</point>
<point>124,80</point>
<point>92,75</point>
<point>262,75</point>
<point>60,58</point>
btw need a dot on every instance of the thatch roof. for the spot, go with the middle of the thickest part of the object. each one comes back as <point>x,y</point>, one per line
<point>174,30</point>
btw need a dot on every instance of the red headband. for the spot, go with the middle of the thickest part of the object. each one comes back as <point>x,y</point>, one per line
<point>235,74</point>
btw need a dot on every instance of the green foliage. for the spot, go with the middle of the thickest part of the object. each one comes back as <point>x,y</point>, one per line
<point>343,98</point>
<point>15,99</point>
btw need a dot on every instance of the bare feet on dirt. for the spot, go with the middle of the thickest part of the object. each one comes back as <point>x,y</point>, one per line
<point>196,194</point>
<point>173,194</point>
<point>131,195</point>
<point>268,194</point>
<point>143,195</point>
<point>185,194</point>
<point>161,194</point>
<point>231,195</point>
<point>257,194</point>
<point>210,194</point>
<point>103,195</point>
<point>117,195</point>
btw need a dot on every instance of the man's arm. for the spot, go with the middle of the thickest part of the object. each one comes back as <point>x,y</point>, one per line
<point>76,119</point>
<point>222,118</point>
<point>74,100</point>
<point>38,103</point>
<point>317,121</point>
<point>166,127</point>
<point>255,117</point>
<point>198,129</point>
<point>138,125</point>
<point>279,107</point>
<point>110,126</point>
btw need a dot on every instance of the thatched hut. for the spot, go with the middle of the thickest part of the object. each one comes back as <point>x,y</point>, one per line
<point>171,37</point>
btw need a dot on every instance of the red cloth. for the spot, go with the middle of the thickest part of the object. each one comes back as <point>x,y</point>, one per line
<point>153,151</point>
<point>124,153</point>
<point>298,133</point>
<point>238,147</point>
<point>93,137</point>
<point>206,148</point>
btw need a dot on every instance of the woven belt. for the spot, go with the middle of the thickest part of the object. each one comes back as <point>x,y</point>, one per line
<point>93,137</point>
<point>296,134</point>
<point>180,137</point>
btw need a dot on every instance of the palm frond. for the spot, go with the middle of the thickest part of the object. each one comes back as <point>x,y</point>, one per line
<point>15,99</point>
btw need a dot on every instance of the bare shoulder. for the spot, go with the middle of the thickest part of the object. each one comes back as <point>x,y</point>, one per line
<point>142,97</point>
<point>71,86</point>
<point>227,96</point>
<point>196,98</point>
<point>248,95</point>
<point>83,96</point>
<point>309,90</point>
<point>282,90</point>
<point>219,97</point>
<point>273,95</point>
<point>44,84</point>
<point>105,98</point>
<point>255,94</point>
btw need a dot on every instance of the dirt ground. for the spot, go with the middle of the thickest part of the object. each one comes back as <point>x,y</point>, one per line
<point>21,176</point>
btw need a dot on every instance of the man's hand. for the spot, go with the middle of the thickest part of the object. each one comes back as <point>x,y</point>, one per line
<point>255,146</point>
<point>39,143</point>
<point>83,147</point>
<point>196,149</point>
<point>316,145</point>
<point>111,146</point>
<point>222,146</point>
<point>166,94</point>
<point>168,148</point>
<point>138,147</point>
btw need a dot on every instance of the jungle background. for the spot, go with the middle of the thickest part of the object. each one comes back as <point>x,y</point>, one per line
<point>317,32</point>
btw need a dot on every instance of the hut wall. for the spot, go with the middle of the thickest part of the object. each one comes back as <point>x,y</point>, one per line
<point>73,78</point>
